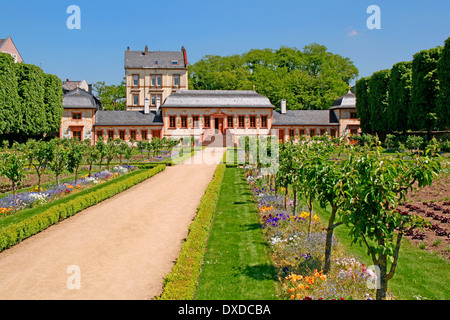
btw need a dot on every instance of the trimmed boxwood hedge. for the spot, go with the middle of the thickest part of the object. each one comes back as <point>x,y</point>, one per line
<point>58,211</point>
<point>181,283</point>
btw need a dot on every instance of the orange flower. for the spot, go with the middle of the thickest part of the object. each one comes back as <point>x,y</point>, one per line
<point>301,286</point>
<point>323,277</point>
<point>298,295</point>
<point>292,297</point>
<point>291,290</point>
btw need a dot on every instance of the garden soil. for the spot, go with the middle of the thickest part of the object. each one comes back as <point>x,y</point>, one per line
<point>119,249</point>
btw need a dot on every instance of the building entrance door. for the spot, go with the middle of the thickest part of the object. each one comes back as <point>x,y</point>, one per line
<point>218,125</point>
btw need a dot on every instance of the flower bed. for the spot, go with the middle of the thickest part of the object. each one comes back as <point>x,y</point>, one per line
<point>14,203</point>
<point>297,244</point>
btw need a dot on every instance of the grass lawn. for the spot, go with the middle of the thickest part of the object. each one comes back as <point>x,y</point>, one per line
<point>237,265</point>
<point>419,274</point>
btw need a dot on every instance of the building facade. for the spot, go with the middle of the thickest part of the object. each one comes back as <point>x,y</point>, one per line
<point>159,104</point>
<point>8,46</point>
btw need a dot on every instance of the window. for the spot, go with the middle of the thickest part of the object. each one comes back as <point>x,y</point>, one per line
<point>252,121</point>
<point>172,122</point>
<point>241,122</point>
<point>353,115</point>
<point>230,123</point>
<point>122,134</point>
<point>195,121</point>
<point>206,122</point>
<point>263,121</point>
<point>76,135</point>
<point>133,134</point>
<point>100,135</point>
<point>322,131</point>
<point>184,122</point>
<point>333,132</point>
<point>312,132</point>
<point>291,133</point>
<point>174,62</point>
<point>110,134</point>
<point>155,99</point>
<point>176,80</point>
<point>135,99</point>
<point>353,132</point>
<point>135,80</point>
<point>76,115</point>
<point>156,80</point>
<point>302,132</point>
<point>144,134</point>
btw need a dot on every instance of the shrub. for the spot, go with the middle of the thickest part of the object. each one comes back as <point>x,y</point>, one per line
<point>51,214</point>
<point>181,283</point>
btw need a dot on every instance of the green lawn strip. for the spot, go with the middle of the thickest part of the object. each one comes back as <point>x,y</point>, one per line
<point>236,264</point>
<point>418,274</point>
<point>16,228</point>
<point>181,282</point>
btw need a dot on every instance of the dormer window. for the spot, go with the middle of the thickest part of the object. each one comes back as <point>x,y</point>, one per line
<point>156,61</point>
<point>174,62</point>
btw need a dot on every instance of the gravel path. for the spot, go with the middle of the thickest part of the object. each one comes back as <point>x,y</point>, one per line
<point>119,249</point>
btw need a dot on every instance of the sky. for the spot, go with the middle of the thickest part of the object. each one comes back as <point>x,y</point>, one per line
<point>95,52</point>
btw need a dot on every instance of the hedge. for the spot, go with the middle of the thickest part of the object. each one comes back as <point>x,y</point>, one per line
<point>16,232</point>
<point>181,283</point>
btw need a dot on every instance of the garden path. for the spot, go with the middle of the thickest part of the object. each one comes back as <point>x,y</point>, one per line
<point>119,249</point>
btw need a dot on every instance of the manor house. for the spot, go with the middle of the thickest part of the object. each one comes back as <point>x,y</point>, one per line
<point>159,104</point>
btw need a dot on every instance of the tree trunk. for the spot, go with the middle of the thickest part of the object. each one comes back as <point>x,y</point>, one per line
<point>382,280</point>
<point>295,202</point>
<point>328,242</point>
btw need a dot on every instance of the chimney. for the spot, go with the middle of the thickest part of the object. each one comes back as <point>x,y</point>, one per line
<point>147,106</point>
<point>67,80</point>
<point>128,48</point>
<point>146,49</point>
<point>283,106</point>
<point>183,50</point>
<point>90,88</point>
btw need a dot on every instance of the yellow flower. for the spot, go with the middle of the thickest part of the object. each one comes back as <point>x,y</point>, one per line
<point>292,297</point>
<point>301,286</point>
<point>315,217</point>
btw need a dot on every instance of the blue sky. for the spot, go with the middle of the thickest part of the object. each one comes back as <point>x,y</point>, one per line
<point>96,51</point>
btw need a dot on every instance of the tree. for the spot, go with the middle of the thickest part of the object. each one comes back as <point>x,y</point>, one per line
<point>12,167</point>
<point>425,90</point>
<point>399,99</point>
<point>443,73</point>
<point>374,186</point>
<point>378,102</point>
<point>112,97</point>
<point>58,164</point>
<point>39,154</point>
<point>102,150</point>
<point>53,96</point>
<point>31,115</point>
<point>308,79</point>
<point>9,98</point>
<point>91,155</point>
<point>76,152</point>
<point>362,104</point>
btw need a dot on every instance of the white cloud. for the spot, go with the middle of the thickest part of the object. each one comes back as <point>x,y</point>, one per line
<point>351,32</point>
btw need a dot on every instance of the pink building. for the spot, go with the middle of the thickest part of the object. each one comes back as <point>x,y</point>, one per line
<point>8,46</point>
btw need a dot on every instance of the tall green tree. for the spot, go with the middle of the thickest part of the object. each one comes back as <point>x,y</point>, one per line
<point>9,98</point>
<point>53,108</point>
<point>378,102</point>
<point>399,96</point>
<point>443,73</point>
<point>425,90</point>
<point>112,97</point>
<point>362,104</point>
<point>308,79</point>
<point>32,117</point>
